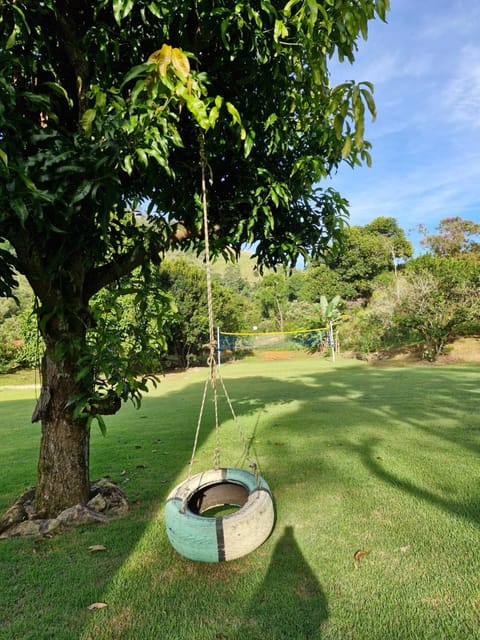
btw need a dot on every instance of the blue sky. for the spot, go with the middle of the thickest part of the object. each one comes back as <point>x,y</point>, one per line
<point>425,66</point>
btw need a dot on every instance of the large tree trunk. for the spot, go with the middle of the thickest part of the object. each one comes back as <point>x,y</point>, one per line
<point>63,476</point>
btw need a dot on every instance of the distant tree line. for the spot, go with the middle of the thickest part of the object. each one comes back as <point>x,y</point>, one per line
<point>387,299</point>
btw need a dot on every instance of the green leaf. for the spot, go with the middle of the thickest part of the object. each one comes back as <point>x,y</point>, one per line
<point>233,111</point>
<point>347,147</point>
<point>4,157</point>
<point>287,9</point>
<point>12,38</point>
<point>101,424</point>
<point>136,71</point>
<point>313,9</point>
<point>16,8</point>
<point>80,406</point>
<point>272,118</point>
<point>367,96</point>
<point>152,7</point>
<point>59,90</point>
<point>142,156</point>
<point>128,164</point>
<point>213,117</point>
<point>359,133</point>
<point>81,192</point>
<point>121,9</point>
<point>248,145</point>
<point>338,125</point>
<point>86,121</point>
<point>83,373</point>
<point>280,30</point>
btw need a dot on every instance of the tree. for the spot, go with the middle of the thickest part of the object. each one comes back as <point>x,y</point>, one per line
<point>188,329</point>
<point>370,251</point>
<point>12,314</point>
<point>330,313</point>
<point>272,296</point>
<point>105,106</point>
<point>441,301</point>
<point>322,280</point>
<point>395,238</point>
<point>455,236</point>
<point>233,279</point>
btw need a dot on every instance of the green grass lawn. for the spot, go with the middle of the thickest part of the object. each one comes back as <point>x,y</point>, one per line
<point>380,459</point>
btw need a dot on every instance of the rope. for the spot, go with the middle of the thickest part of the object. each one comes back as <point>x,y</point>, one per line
<point>211,345</point>
<point>211,321</point>
<point>246,447</point>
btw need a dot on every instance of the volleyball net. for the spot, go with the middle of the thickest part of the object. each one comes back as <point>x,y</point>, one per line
<point>247,342</point>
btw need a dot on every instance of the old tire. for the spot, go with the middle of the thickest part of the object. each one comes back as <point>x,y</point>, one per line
<point>210,539</point>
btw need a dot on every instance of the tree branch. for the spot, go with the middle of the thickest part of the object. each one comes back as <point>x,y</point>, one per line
<point>68,18</point>
<point>99,277</point>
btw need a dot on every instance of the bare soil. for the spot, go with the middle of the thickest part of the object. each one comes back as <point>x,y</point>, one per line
<point>462,350</point>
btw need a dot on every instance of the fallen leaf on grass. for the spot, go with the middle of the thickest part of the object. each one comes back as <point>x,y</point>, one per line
<point>97,547</point>
<point>359,554</point>
<point>97,605</point>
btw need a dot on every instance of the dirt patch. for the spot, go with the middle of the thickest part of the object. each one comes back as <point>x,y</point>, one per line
<point>462,350</point>
<point>280,355</point>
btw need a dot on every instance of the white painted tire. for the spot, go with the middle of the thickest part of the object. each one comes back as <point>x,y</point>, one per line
<point>210,539</point>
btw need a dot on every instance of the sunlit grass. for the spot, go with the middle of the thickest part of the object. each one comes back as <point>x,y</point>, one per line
<point>384,461</point>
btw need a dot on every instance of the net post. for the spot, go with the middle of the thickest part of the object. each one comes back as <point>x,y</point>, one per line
<point>219,350</point>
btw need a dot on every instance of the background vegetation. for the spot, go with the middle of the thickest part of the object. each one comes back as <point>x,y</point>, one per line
<point>387,297</point>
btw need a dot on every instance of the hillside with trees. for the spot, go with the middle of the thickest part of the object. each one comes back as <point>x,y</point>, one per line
<point>387,300</point>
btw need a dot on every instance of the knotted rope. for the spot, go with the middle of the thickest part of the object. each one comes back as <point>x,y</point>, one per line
<point>214,372</point>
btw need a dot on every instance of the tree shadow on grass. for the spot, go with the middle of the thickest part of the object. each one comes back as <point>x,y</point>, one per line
<point>468,509</point>
<point>341,407</point>
<point>290,602</point>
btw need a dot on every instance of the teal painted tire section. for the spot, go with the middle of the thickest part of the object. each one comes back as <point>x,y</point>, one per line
<point>218,539</point>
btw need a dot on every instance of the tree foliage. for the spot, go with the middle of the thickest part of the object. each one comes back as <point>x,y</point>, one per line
<point>272,297</point>
<point>442,301</point>
<point>369,251</point>
<point>434,300</point>
<point>188,329</point>
<point>454,236</point>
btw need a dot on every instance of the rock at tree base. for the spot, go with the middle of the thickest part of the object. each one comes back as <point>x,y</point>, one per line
<point>18,511</point>
<point>19,520</point>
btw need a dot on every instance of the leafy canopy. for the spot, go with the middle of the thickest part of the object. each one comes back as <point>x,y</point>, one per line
<point>101,108</point>
<point>455,237</point>
<point>85,137</point>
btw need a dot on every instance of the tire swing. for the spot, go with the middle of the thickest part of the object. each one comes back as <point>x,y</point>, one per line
<point>208,538</point>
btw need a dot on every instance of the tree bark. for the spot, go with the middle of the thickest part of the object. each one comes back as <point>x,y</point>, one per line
<point>63,465</point>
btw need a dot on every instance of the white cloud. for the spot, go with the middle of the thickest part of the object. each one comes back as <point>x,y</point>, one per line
<point>462,94</point>
<point>425,65</point>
